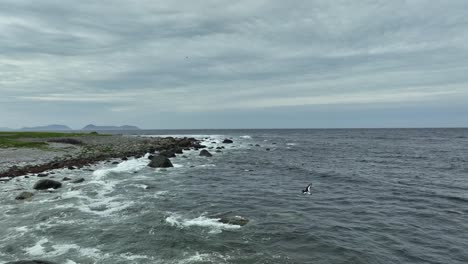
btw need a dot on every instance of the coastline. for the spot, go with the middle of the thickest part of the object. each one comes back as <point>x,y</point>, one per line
<point>77,151</point>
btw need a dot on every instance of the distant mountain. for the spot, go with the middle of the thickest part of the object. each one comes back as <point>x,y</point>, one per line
<point>94,128</point>
<point>47,128</point>
<point>5,129</point>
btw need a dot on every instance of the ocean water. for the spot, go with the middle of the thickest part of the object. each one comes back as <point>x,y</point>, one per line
<point>378,196</point>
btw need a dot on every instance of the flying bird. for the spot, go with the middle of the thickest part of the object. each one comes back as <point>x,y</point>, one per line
<point>307,189</point>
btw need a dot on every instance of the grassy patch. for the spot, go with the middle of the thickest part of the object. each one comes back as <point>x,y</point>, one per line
<point>13,139</point>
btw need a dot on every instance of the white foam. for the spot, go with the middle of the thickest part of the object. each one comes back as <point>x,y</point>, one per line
<point>291,144</point>
<point>177,165</point>
<point>204,257</point>
<point>129,256</point>
<point>212,223</point>
<point>246,137</point>
<point>37,249</point>
<point>62,249</point>
<point>131,165</point>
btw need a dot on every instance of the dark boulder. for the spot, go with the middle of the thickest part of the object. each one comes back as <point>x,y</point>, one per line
<point>185,142</point>
<point>71,168</point>
<point>160,161</point>
<point>199,146</point>
<point>124,158</point>
<point>66,179</point>
<point>178,151</point>
<point>151,149</point>
<point>24,195</point>
<point>228,141</point>
<point>115,162</point>
<point>150,157</point>
<point>30,262</point>
<point>42,175</point>
<point>80,180</point>
<point>234,220</point>
<point>168,153</point>
<point>47,184</point>
<point>205,153</point>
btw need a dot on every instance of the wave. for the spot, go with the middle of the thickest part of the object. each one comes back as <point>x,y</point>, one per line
<point>246,137</point>
<point>129,166</point>
<point>202,221</point>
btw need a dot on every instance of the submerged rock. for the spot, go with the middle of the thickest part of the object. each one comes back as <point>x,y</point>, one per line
<point>160,161</point>
<point>47,184</point>
<point>66,179</point>
<point>24,195</point>
<point>42,175</point>
<point>205,153</point>
<point>227,141</point>
<point>80,180</point>
<point>234,220</point>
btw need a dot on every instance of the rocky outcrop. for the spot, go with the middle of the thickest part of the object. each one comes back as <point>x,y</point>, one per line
<point>205,153</point>
<point>24,195</point>
<point>227,141</point>
<point>98,148</point>
<point>160,161</point>
<point>234,220</point>
<point>47,184</point>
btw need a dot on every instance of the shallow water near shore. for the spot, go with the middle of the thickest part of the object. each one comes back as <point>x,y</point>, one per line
<point>378,196</point>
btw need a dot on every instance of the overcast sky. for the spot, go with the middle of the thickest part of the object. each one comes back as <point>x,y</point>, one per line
<point>234,64</point>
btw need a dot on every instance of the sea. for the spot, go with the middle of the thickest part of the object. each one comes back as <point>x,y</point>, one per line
<point>378,196</point>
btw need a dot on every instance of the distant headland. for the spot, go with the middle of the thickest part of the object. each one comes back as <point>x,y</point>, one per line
<point>56,127</point>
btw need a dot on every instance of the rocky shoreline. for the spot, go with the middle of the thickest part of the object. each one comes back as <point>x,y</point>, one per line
<point>76,152</point>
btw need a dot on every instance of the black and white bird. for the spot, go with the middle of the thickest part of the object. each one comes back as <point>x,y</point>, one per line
<point>307,189</point>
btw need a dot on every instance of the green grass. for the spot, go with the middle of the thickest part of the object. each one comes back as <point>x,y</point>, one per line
<point>13,139</point>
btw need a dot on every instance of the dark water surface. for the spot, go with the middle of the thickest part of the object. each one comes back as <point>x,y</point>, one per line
<point>378,196</point>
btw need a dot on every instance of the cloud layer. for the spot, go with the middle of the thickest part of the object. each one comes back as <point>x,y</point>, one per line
<point>162,64</point>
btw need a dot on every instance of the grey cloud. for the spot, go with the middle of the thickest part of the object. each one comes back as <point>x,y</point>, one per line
<point>186,56</point>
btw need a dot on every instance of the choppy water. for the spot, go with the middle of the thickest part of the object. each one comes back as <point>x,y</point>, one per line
<point>379,196</point>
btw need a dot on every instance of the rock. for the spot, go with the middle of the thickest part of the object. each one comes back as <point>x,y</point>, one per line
<point>24,195</point>
<point>267,149</point>
<point>151,149</point>
<point>150,157</point>
<point>26,177</point>
<point>228,141</point>
<point>235,220</point>
<point>168,153</point>
<point>219,148</point>
<point>257,145</point>
<point>71,168</point>
<point>80,180</point>
<point>42,175</point>
<point>218,151</point>
<point>178,151</point>
<point>124,158</point>
<point>115,162</point>
<point>205,153</point>
<point>5,179</point>
<point>30,262</point>
<point>66,179</point>
<point>160,161</point>
<point>47,184</point>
